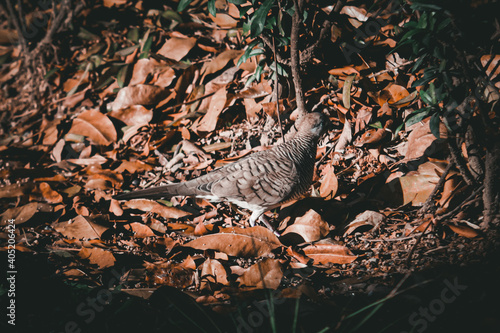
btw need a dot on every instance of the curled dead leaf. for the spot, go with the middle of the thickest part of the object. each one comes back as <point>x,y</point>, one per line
<point>311,227</point>
<point>212,271</point>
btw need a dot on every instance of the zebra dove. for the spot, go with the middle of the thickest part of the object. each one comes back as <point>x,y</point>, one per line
<point>259,182</point>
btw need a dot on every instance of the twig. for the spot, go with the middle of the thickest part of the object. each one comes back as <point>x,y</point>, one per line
<point>469,200</point>
<point>276,89</point>
<point>459,161</point>
<point>295,57</point>
<point>17,24</point>
<point>59,18</point>
<point>390,69</point>
<point>430,200</point>
<point>391,239</point>
<point>408,259</point>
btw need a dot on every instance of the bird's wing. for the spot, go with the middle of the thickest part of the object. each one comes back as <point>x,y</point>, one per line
<point>262,180</point>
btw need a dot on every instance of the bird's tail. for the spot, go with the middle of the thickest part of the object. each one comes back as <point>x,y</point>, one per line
<point>159,192</point>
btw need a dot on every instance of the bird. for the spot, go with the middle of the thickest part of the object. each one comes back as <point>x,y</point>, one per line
<point>259,182</point>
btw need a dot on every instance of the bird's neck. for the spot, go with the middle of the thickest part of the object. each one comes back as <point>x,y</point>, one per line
<point>304,148</point>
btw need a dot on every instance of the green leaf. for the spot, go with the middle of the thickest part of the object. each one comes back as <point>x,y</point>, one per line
<point>398,129</point>
<point>183,5</point>
<point>417,116</point>
<point>432,93</point>
<point>171,15</point>
<point>426,98</point>
<point>122,76</point>
<point>85,34</point>
<point>146,48</point>
<point>248,52</point>
<point>378,124</point>
<point>133,35</point>
<point>434,124</point>
<point>211,7</point>
<point>126,51</point>
<point>259,18</point>
<point>75,88</point>
<point>238,2</point>
<point>51,72</point>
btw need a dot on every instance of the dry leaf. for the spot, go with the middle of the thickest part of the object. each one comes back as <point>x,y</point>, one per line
<point>325,253</point>
<point>463,230</point>
<point>367,218</point>
<point>212,271</point>
<point>329,183</point>
<point>133,115</point>
<point>249,242</point>
<point>140,230</point>
<point>224,21</point>
<point>177,48</point>
<point>24,213</point>
<point>80,228</point>
<point>95,126</point>
<point>209,121</point>
<point>49,194</point>
<point>266,274</point>
<point>311,227</point>
<point>155,207</point>
<point>142,94</point>
<point>97,256</point>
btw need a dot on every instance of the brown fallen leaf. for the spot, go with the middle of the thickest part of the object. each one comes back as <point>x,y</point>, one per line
<point>209,121</point>
<point>212,271</point>
<point>224,21</point>
<point>97,256</point>
<point>367,218</point>
<point>324,253</point>
<point>155,207</point>
<point>140,230</point>
<point>463,230</point>
<point>170,274</point>
<point>133,115</point>
<point>133,167</point>
<point>266,274</point>
<point>16,190</point>
<point>177,48</point>
<point>141,94</point>
<point>329,183</point>
<point>49,194</point>
<point>249,242</point>
<point>392,94</point>
<point>95,126</point>
<point>24,213</point>
<point>219,62</point>
<point>80,228</point>
<point>311,227</point>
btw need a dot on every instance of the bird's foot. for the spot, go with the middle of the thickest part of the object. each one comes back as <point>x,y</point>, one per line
<point>264,220</point>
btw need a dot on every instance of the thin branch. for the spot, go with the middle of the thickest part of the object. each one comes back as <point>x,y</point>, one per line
<point>17,25</point>
<point>295,57</point>
<point>430,200</point>
<point>408,259</point>
<point>64,9</point>
<point>459,161</point>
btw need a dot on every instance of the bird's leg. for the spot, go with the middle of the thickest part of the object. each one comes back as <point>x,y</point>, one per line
<point>262,218</point>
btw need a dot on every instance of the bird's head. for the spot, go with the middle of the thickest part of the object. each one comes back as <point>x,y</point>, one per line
<point>314,123</point>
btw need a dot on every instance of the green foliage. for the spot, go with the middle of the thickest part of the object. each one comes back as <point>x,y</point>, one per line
<point>433,41</point>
